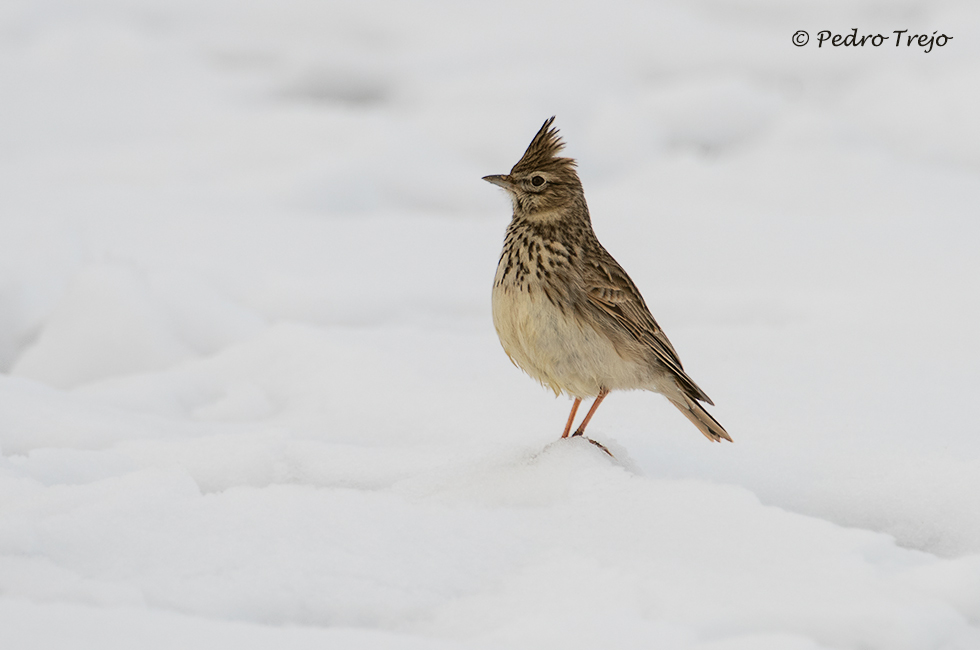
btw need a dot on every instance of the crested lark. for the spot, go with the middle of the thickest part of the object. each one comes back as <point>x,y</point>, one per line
<point>565,311</point>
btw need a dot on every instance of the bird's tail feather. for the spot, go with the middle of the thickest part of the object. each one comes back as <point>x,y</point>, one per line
<point>709,426</point>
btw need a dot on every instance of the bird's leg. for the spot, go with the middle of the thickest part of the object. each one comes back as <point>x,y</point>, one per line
<point>588,416</point>
<point>571,417</point>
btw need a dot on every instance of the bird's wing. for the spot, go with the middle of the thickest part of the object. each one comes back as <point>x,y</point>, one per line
<point>611,291</point>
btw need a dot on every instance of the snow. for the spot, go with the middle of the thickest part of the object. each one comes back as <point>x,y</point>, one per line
<point>251,395</point>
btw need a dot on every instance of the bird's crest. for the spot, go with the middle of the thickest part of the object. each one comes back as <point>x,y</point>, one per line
<point>542,153</point>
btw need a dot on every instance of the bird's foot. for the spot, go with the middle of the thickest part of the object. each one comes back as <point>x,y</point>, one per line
<point>594,442</point>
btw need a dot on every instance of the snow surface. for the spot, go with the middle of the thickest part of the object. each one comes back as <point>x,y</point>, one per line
<point>251,396</point>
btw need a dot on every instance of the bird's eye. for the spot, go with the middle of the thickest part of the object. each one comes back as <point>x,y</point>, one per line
<point>537,181</point>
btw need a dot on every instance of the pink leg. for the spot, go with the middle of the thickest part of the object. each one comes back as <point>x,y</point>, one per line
<point>571,417</point>
<point>588,416</point>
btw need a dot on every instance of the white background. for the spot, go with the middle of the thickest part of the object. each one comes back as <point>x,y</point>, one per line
<point>251,395</point>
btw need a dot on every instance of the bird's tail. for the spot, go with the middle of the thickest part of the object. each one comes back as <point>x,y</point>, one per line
<point>709,426</point>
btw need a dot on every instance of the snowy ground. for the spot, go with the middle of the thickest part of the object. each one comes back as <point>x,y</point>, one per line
<point>251,396</point>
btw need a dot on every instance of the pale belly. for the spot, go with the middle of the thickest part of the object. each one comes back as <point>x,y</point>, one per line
<point>560,352</point>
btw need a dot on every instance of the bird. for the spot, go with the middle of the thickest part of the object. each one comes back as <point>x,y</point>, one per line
<point>565,311</point>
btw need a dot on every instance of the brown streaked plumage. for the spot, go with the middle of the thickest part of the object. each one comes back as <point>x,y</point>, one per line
<point>565,311</point>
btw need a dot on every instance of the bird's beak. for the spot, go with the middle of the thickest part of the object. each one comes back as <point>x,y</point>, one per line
<point>500,181</point>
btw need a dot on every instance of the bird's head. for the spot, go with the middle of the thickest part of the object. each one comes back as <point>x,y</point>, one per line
<point>542,185</point>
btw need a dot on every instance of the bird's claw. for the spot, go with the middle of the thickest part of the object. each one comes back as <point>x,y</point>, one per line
<point>594,442</point>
